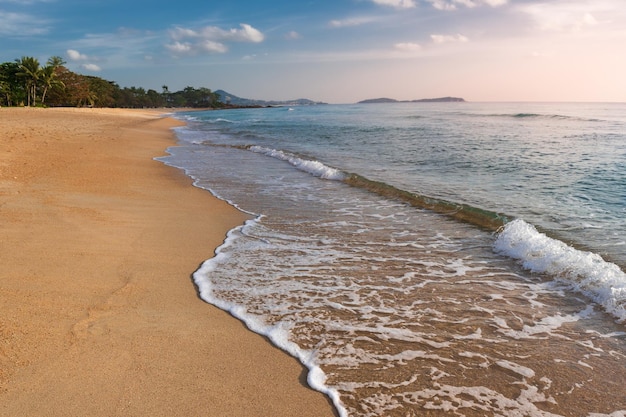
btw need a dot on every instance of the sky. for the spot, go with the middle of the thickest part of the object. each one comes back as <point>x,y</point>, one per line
<point>335,51</point>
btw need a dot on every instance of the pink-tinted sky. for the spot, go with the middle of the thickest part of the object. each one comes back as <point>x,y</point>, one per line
<point>337,51</point>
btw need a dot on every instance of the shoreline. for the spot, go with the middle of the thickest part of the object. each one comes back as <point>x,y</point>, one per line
<point>99,314</point>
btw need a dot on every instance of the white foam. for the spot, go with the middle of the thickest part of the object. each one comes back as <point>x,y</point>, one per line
<point>542,328</point>
<point>278,334</point>
<point>452,399</point>
<point>518,369</point>
<point>314,168</point>
<point>586,272</point>
<point>221,120</point>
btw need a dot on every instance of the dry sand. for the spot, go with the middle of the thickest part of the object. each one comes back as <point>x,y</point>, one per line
<point>98,313</point>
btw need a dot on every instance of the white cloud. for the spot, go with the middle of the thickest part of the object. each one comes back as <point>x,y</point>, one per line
<point>407,46</point>
<point>399,4</point>
<point>246,34</point>
<point>74,55</point>
<point>449,38</point>
<point>210,39</point>
<point>452,4</point>
<point>91,67</point>
<point>351,21</point>
<point>21,25</point>
<point>179,48</point>
<point>212,46</point>
<point>442,5</point>
<point>568,16</point>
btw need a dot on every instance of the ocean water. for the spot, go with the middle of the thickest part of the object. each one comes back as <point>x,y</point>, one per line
<point>427,259</point>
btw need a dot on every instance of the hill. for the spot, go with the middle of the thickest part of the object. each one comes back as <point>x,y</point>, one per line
<point>232,99</point>
<point>378,100</point>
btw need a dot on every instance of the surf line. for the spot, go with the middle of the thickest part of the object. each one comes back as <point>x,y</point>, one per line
<point>463,212</point>
<point>473,215</point>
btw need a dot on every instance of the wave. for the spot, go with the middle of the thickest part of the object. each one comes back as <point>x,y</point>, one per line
<point>458,211</point>
<point>278,334</point>
<point>584,272</point>
<point>313,167</point>
<point>523,115</point>
<point>542,116</point>
<point>474,215</point>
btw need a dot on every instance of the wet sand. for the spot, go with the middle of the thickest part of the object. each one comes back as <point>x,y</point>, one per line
<point>98,313</point>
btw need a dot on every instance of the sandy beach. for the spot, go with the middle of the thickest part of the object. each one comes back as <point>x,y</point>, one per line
<point>98,313</point>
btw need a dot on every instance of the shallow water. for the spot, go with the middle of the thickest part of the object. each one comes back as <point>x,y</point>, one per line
<point>398,310</point>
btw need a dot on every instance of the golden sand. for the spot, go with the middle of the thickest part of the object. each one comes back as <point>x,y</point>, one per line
<point>98,313</point>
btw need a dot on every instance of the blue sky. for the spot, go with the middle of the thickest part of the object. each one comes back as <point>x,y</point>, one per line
<point>338,51</point>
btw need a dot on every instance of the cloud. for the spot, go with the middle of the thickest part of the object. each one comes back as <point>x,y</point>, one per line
<point>407,46</point>
<point>178,48</point>
<point>127,40</point>
<point>22,25</point>
<point>246,34</point>
<point>569,16</point>
<point>91,67</point>
<point>74,55</point>
<point>293,35</point>
<point>398,4</point>
<point>449,38</point>
<point>210,46</point>
<point>351,21</point>
<point>495,3</point>
<point>210,39</point>
<point>453,4</point>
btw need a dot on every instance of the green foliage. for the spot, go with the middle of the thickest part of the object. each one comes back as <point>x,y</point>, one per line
<point>25,81</point>
<point>12,91</point>
<point>30,72</point>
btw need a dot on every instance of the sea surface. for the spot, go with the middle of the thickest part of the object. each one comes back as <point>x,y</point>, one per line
<point>427,259</point>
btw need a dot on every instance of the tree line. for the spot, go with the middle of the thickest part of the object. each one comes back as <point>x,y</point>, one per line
<point>26,82</point>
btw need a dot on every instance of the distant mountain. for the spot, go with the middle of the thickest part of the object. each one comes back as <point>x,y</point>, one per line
<point>378,100</point>
<point>423,100</point>
<point>232,99</point>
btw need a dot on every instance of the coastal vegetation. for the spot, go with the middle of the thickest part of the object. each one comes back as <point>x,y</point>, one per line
<point>26,82</point>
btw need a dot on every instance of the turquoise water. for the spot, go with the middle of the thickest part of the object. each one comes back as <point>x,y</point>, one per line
<point>427,259</point>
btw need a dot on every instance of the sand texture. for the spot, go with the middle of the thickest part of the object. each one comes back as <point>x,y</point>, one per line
<point>98,313</point>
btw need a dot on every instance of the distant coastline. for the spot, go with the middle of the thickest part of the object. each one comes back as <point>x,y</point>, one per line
<point>423,100</point>
<point>231,100</point>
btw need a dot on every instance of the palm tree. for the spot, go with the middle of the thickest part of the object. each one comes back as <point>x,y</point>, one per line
<point>30,71</point>
<point>48,77</point>
<point>56,61</point>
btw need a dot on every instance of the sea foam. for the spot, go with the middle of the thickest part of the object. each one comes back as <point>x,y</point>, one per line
<point>278,333</point>
<point>314,168</point>
<point>585,272</point>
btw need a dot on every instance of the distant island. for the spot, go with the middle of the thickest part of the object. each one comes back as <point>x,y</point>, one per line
<point>423,100</point>
<point>232,100</point>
